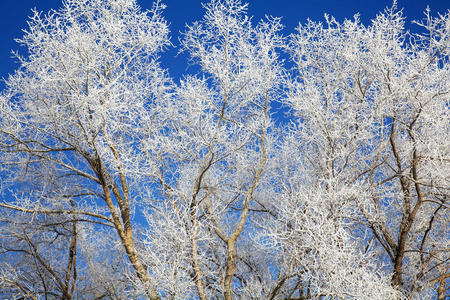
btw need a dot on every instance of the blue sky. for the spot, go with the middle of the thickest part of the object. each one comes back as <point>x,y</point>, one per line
<point>14,14</point>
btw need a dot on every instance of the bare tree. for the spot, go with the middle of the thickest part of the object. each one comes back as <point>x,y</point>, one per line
<point>374,101</point>
<point>70,112</point>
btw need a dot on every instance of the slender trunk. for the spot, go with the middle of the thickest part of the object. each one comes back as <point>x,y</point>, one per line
<point>71,273</point>
<point>441,291</point>
<point>124,230</point>
<point>398,261</point>
<point>231,260</point>
<point>405,223</point>
<point>126,236</point>
<point>139,267</point>
<point>196,266</point>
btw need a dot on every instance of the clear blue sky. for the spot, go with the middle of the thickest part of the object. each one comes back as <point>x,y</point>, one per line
<point>14,14</point>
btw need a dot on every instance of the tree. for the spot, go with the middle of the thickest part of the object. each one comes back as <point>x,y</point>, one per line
<point>70,132</point>
<point>374,102</point>
<point>119,182</point>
